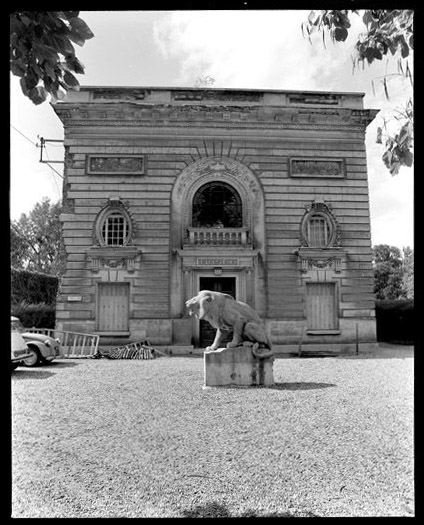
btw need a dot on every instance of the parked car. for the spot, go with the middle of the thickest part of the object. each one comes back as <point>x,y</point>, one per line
<point>42,348</point>
<point>19,348</point>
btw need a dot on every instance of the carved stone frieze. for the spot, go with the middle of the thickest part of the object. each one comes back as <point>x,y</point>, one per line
<point>115,164</point>
<point>113,94</point>
<point>306,167</point>
<point>314,98</point>
<point>225,95</point>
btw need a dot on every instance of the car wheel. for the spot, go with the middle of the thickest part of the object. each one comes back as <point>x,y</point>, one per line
<point>35,357</point>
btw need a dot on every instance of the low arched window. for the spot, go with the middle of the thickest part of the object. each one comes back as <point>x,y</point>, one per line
<point>113,225</point>
<point>114,229</point>
<point>318,231</point>
<point>319,228</point>
<point>217,205</point>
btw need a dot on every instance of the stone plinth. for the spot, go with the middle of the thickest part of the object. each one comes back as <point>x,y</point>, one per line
<point>237,366</point>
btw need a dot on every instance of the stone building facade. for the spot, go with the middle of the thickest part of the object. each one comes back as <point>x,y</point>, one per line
<point>261,194</point>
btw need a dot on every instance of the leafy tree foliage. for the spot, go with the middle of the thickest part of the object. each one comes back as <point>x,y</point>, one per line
<point>390,270</point>
<point>42,52</point>
<point>36,240</point>
<point>18,247</point>
<point>408,272</point>
<point>387,32</point>
<point>32,288</point>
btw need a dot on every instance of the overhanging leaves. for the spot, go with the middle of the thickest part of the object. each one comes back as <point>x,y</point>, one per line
<point>42,53</point>
<point>386,31</point>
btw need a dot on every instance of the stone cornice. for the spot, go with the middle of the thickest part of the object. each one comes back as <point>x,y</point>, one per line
<point>128,115</point>
<point>226,125</point>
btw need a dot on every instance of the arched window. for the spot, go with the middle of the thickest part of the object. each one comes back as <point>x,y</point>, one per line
<point>318,231</point>
<point>319,228</point>
<point>217,205</point>
<point>114,229</point>
<point>113,225</point>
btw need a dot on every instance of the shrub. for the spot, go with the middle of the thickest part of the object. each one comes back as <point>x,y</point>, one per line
<point>33,287</point>
<point>39,315</point>
<point>395,320</point>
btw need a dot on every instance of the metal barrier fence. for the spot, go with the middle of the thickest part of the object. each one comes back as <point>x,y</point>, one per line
<point>72,344</point>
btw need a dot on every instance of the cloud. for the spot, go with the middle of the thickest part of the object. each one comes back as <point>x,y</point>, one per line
<point>263,49</point>
<point>256,49</point>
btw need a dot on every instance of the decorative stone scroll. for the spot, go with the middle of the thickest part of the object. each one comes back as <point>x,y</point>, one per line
<point>115,164</point>
<point>331,168</point>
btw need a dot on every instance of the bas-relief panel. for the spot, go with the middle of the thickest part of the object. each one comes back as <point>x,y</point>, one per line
<point>115,164</point>
<point>333,168</point>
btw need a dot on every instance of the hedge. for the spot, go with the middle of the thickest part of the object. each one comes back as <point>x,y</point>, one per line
<point>39,315</point>
<point>33,287</point>
<point>395,320</point>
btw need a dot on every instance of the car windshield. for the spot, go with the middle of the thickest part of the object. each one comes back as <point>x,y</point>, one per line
<point>16,326</point>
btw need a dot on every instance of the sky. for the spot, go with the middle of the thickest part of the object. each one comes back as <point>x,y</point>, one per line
<point>257,49</point>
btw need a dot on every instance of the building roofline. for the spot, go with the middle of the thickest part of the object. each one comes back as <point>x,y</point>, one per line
<point>249,90</point>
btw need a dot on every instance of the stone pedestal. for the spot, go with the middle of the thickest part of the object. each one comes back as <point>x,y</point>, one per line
<point>237,366</point>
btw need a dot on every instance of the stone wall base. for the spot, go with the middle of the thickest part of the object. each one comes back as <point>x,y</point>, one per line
<point>323,349</point>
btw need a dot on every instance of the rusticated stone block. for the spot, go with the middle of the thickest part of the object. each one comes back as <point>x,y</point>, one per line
<point>237,366</point>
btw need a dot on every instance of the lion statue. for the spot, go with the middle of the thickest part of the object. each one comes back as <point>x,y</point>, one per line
<point>225,313</point>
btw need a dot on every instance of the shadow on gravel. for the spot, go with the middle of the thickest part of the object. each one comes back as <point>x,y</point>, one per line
<point>300,386</point>
<point>63,364</point>
<point>41,372</point>
<point>34,373</point>
<point>282,386</point>
<point>214,509</point>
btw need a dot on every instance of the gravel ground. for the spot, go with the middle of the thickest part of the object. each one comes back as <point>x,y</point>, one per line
<point>101,438</point>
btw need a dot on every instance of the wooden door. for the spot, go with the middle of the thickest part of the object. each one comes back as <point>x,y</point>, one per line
<point>321,310</point>
<point>215,284</point>
<point>113,307</point>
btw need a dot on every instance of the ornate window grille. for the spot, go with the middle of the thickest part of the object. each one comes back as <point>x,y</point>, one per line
<point>319,228</point>
<point>113,225</point>
<point>217,205</point>
<point>114,230</point>
<point>319,238</point>
<point>318,231</point>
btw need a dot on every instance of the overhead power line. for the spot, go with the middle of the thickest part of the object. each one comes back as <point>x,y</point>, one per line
<point>37,146</point>
<point>25,137</point>
<point>51,167</point>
